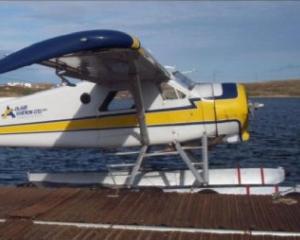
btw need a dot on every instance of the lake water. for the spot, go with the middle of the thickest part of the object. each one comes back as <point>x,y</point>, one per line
<point>275,141</point>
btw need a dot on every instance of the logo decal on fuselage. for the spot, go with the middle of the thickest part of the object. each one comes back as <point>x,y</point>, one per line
<point>22,111</point>
<point>9,112</point>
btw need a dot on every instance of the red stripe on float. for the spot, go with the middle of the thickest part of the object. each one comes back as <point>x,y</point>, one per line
<point>239,175</point>
<point>262,174</point>
<point>248,190</point>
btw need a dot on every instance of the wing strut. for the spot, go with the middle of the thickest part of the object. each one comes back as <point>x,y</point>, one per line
<point>140,108</point>
<point>139,102</point>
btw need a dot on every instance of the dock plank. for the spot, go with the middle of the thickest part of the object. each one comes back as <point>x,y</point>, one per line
<point>25,230</point>
<point>151,208</point>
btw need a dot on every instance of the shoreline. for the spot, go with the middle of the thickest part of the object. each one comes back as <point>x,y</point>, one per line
<point>275,96</point>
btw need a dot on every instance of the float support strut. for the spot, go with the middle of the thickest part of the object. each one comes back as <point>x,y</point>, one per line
<point>205,158</point>
<point>189,163</point>
<point>137,166</point>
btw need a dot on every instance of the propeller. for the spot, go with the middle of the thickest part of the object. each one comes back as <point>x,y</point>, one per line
<point>253,106</point>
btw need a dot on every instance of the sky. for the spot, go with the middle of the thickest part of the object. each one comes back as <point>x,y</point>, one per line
<point>220,41</point>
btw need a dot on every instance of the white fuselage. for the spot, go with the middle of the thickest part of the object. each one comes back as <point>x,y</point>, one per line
<point>58,117</point>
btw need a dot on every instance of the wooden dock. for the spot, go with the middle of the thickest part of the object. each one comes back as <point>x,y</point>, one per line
<point>74,213</point>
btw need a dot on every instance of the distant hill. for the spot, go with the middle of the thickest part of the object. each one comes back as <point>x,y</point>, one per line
<point>283,88</point>
<point>17,91</point>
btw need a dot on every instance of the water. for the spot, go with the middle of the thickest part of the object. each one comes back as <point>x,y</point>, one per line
<point>275,141</point>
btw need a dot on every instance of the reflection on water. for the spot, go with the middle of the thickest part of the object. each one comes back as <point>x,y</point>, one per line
<point>275,141</point>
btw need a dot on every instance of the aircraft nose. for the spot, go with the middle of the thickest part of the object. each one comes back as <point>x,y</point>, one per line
<point>243,111</point>
<point>234,107</point>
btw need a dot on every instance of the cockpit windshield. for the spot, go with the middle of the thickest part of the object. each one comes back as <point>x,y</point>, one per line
<point>183,80</point>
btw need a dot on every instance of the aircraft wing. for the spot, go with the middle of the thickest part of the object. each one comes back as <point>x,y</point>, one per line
<point>100,56</point>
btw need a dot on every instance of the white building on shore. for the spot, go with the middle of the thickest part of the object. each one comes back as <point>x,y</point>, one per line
<point>19,84</point>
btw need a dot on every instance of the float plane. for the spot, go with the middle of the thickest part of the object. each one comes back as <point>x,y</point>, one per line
<point>124,98</point>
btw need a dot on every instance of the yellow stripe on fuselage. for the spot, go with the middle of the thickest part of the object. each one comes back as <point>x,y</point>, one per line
<point>108,122</point>
<point>180,116</point>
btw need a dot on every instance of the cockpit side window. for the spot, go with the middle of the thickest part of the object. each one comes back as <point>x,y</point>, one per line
<point>184,80</point>
<point>117,101</point>
<point>168,92</point>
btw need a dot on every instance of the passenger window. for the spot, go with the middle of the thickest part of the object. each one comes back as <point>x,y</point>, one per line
<point>169,92</point>
<point>117,100</point>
